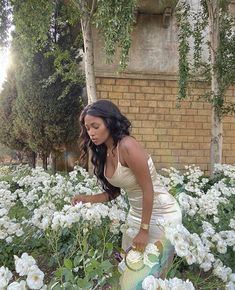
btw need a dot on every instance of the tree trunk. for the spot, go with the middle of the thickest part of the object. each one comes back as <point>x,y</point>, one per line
<point>31,158</point>
<point>44,161</point>
<point>216,122</point>
<point>89,57</point>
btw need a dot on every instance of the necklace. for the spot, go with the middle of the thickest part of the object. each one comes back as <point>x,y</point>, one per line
<point>109,152</point>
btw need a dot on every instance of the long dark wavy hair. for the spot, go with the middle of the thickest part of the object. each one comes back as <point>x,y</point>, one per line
<point>118,126</point>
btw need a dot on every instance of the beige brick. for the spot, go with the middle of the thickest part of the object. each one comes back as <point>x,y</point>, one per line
<point>140,96</point>
<point>171,84</point>
<point>178,111</point>
<point>187,160</point>
<point>135,131</point>
<point>164,138</point>
<point>178,125</point>
<point>196,139</point>
<point>152,144</point>
<point>227,126</point>
<point>180,138</point>
<point>202,132</point>
<point>152,104</point>
<point>162,152</point>
<point>197,105</point>
<point>191,112</point>
<point>175,145</point>
<point>179,152</point>
<point>140,116</point>
<point>152,137</point>
<point>201,119</point>
<point>193,125</point>
<point>129,96</point>
<point>156,117</point>
<point>147,131</point>
<point>147,124</point>
<point>123,89</point>
<point>206,113</point>
<point>230,160</point>
<point>164,104</point>
<point>233,147</point>
<point>129,115</point>
<point>104,88</point>
<point>124,103</point>
<point>147,90</point>
<point>164,124</point>
<point>139,103</point>
<point>134,109</point>
<point>156,83</point>
<point>173,132</point>
<point>139,137</point>
<point>107,81</point>
<point>124,110</point>
<point>154,97</point>
<point>204,146</point>
<point>175,91</point>
<point>206,126</point>
<point>174,118</point>
<point>143,83</point>
<point>162,111</point>
<point>136,123</point>
<point>123,82</point>
<point>196,153</point>
<point>160,131</point>
<point>203,160</point>
<point>169,159</point>
<point>164,145</point>
<point>191,145</point>
<point>103,95</point>
<point>134,89</point>
<point>159,90</point>
<point>227,153</point>
<point>115,95</point>
<point>145,110</point>
<point>198,92</point>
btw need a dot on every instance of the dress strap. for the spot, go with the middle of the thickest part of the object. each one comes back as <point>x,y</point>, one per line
<point>118,152</point>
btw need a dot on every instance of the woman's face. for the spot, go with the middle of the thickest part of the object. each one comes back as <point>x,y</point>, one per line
<point>96,130</point>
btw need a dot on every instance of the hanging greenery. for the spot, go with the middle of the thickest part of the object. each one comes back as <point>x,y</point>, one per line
<point>192,27</point>
<point>115,19</point>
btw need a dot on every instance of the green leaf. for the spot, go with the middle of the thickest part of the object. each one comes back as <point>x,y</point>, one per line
<point>68,264</point>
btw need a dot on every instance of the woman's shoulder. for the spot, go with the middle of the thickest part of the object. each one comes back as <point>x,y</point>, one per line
<point>128,143</point>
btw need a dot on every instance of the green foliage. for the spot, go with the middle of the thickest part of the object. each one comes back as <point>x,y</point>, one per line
<point>115,19</point>
<point>32,21</point>
<point>192,25</point>
<point>8,96</point>
<point>183,35</point>
<point>4,22</point>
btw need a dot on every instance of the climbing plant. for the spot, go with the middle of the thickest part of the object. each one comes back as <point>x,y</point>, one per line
<point>208,33</point>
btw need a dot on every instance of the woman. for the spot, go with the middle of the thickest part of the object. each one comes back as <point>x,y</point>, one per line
<point>121,162</point>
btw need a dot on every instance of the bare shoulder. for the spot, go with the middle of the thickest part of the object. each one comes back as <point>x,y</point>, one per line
<point>129,145</point>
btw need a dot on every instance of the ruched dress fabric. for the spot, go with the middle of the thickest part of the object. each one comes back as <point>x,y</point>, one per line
<point>165,208</point>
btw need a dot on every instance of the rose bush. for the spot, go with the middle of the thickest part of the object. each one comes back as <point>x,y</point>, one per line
<point>74,246</point>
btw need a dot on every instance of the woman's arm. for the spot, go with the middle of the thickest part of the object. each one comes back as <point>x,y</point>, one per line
<point>135,157</point>
<point>96,198</point>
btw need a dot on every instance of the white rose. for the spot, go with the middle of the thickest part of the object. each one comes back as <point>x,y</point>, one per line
<point>23,264</point>
<point>151,255</point>
<point>35,278</point>
<point>134,257</point>
<point>150,283</point>
<point>17,286</point>
<point>5,276</point>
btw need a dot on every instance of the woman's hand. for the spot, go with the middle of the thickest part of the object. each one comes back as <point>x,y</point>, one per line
<point>80,198</point>
<point>141,240</point>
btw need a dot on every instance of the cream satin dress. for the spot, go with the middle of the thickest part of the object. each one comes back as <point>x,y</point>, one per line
<point>165,208</point>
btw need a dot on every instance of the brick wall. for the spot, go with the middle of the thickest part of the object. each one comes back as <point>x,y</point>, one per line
<point>174,137</point>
